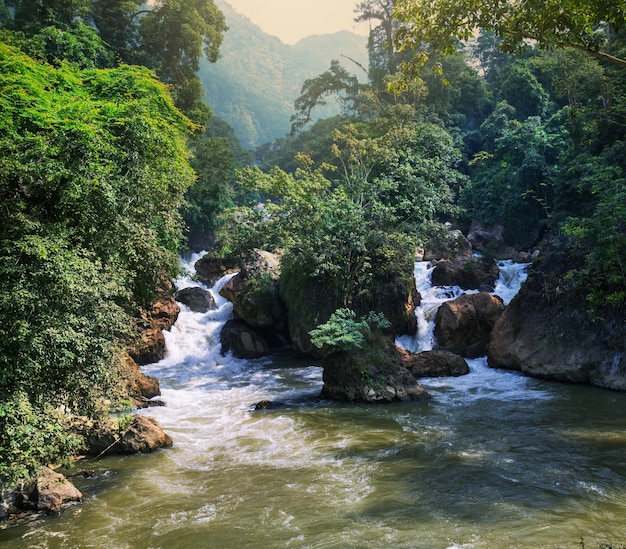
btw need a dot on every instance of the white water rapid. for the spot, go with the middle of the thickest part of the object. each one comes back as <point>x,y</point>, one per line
<point>494,460</point>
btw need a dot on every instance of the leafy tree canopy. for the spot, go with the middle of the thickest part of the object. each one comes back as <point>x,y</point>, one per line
<point>587,25</point>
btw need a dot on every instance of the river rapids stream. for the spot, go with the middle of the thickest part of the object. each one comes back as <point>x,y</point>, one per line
<point>494,460</point>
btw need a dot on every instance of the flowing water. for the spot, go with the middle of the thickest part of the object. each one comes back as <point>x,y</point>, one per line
<point>493,460</point>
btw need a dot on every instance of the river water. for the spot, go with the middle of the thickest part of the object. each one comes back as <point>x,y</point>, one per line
<point>493,460</point>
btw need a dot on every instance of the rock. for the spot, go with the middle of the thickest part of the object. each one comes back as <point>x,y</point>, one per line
<point>548,332</point>
<point>266,405</point>
<point>436,363</point>
<point>151,345</point>
<point>254,293</point>
<point>48,493</point>
<point>139,387</point>
<point>453,246</point>
<point>197,299</point>
<point>143,435</point>
<point>464,324</point>
<point>372,374</point>
<point>467,273</point>
<point>486,238</point>
<point>242,340</point>
<point>210,268</point>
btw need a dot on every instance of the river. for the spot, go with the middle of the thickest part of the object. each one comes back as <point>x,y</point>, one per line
<point>493,460</point>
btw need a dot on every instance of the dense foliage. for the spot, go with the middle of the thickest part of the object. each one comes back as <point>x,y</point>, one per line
<point>93,171</point>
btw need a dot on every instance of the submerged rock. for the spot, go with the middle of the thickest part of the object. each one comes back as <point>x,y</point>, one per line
<point>464,324</point>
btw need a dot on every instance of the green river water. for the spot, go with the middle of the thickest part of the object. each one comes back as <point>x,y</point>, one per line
<point>494,460</point>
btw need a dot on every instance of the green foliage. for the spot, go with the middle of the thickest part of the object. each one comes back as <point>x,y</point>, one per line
<point>343,332</point>
<point>586,25</point>
<point>30,438</point>
<point>93,169</point>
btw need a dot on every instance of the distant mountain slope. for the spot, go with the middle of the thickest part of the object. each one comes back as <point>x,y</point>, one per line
<point>255,83</point>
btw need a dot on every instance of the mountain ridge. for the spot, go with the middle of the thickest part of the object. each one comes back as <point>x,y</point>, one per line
<point>254,84</point>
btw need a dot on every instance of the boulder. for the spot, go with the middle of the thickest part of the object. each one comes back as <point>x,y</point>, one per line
<point>210,268</point>
<point>143,435</point>
<point>548,332</point>
<point>464,324</point>
<point>242,340</point>
<point>254,293</point>
<point>437,363</point>
<point>372,374</point>
<point>485,237</point>
<point>150,347</point>
<point>197,299</point>
<point>453,246</point>
<point>48,493</point>
<point>469,273</point>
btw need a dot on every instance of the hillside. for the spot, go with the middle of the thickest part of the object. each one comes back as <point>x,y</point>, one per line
<point>255,83</point>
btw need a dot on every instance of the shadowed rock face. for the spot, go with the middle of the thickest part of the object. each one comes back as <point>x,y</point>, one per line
<point>463,325</point>
<point>436,363</point>
<point>197,299</point>
<point>547,331</point>
<point>242,340</point>
<point>468,273</point>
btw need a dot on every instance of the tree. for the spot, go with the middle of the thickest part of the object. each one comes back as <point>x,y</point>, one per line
<point>93,168</point>
<point>585,25</point>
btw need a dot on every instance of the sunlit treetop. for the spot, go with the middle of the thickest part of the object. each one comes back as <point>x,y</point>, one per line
<point>587,25</point>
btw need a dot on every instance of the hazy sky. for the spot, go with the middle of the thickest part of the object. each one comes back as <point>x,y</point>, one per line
<point>292,20</point>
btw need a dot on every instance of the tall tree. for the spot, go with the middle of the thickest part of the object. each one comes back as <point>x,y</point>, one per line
<point>586,25</point>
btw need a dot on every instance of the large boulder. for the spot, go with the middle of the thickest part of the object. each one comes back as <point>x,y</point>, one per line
<point>464,324</point>
<point>48,493</point>
<point>143,435</point>
<point>242,340</point>
<point>197,299</point>
<point>254,293</point>
<point>150,347</point>
<point>211,268</point>
<point>486,237</point>
<point>469,273</point>
<point>437,363</point>
<point>547,330</point>
<point>374,373</point>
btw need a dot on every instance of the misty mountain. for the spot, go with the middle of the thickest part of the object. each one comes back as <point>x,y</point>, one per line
<point>255,83</point>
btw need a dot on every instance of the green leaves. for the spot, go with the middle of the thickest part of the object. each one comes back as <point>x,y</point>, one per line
<point>93,169</point>
<point>343,332</point>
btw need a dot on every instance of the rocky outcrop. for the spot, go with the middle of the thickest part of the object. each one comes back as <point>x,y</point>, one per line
<point>470,273</point>
<point>48,493</point>
<point>143,435</point>
<point>486,238</point>
<point>464,324</point>
<point>437,363</point>
<point>210,268</point>
<point>372,374</point>
<point>197,299</point>
<point>254,293</point>
<point>151,345</point>
<point>548,332</point>
<point>139,387</point>
<point>453,246</point>
<point>243,341</point>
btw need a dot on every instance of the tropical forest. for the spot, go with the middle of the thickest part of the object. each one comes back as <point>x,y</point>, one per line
<point>364,290</point>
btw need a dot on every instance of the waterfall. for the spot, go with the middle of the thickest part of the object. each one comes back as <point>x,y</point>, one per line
<point>512,276</point>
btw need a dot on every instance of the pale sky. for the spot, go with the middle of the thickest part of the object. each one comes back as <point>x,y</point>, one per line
<point>292,20</point>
